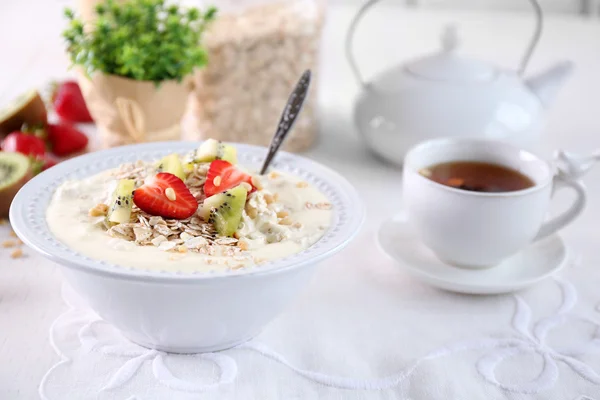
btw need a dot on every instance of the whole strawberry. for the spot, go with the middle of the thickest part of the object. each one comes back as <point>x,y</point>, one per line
<point>65,139</point>
<point>69,104</point>
<point>24,143</point>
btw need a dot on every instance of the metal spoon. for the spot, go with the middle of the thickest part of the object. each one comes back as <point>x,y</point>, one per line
<point>290,113</point>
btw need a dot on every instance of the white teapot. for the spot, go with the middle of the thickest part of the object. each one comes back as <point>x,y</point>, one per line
<point>444,94</point>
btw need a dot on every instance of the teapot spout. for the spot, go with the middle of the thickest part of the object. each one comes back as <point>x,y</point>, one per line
<point>546,84</point>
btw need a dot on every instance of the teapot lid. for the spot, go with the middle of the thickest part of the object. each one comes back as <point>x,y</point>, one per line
<point>449,67</point>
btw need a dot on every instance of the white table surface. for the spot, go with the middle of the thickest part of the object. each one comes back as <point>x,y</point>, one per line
<point>370,311</point>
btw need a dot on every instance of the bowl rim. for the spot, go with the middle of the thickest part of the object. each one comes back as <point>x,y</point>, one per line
<point>28,210</point>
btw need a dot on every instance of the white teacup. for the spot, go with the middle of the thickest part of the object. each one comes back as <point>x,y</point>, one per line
<point>475,229</point>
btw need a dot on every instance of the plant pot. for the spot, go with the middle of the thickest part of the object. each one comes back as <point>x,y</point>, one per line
<point>128,111</point>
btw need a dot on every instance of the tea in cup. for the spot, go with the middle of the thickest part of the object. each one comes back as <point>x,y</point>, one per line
<point>476,202</point>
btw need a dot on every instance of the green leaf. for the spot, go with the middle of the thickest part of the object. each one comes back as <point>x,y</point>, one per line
<point>140,39</point>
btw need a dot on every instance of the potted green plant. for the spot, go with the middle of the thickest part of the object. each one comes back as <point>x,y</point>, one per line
<point>136,59</point>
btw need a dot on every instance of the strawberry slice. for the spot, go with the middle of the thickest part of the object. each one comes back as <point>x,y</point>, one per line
<point>223,176</point>
<point>165,195</point>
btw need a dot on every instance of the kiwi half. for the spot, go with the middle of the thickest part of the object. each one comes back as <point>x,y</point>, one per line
<point>28,108</point>
<point>213,149</point>
<point>224,210</point>
<point>172,165</point>
<point>119,209</point>
<point>15,171</point>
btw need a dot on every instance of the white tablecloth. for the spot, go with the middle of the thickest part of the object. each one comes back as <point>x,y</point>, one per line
<point>364,329</point>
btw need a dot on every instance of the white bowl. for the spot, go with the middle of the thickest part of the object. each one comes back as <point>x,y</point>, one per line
<point>185,312</point>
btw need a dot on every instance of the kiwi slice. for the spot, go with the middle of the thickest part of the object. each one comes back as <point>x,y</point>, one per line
<point>119,209</point>
<point>188,167</point>
<point>172,165</point>
<point>213,149</point>
<point>28,108</point>
<point>15,171</point>
<point>224,210</point>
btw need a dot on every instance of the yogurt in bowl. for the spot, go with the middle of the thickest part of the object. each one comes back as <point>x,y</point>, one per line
<point>187,283</point>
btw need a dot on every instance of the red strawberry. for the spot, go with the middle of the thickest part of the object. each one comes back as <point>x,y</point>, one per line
<point>23,143</point>
<point>69,104</point>
<point>65,139</point>
<point>167,196</point>
<point>222,176</point>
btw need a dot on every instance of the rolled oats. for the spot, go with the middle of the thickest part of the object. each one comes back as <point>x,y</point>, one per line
<point>158,240</point>
<point>163,230</point>
<point>257,55</point>
<point>196,242</point>
<point>156,220</point>
<point>142,234</point>
<point>166,246</point>
<point>185,236</point>
<point>224,241</point>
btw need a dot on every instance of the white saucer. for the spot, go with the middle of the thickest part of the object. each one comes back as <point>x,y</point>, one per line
<point>534,263</point>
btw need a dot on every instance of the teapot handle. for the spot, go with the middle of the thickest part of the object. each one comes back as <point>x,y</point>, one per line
<point>537,33</point>
<point>539,19</point>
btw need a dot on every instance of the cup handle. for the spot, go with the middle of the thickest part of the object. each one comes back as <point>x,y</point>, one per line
<point>562,220</point>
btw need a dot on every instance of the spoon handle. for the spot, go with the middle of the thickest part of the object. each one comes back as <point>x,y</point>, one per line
<point>290,112</point>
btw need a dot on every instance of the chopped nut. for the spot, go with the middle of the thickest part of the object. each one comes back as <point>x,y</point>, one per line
<point>236,235</point>
<point>217,181</point>
<point>99,210</point>
<point>273,175</point>
<point>13,234</point>
<point>256,182</point>
<point>282,214</point>
<point>269,198</point>
<point>246,185</point>
<point>9,243</point>
<point>17,253</point>
<point>302,184</point>
<point>286,221</point>
<point>251,211</point>
<point>182,249</point>
<point>170,193</point>
<point>242,244</point>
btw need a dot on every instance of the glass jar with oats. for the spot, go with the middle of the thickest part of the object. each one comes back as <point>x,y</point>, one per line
<point>258,49</point>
